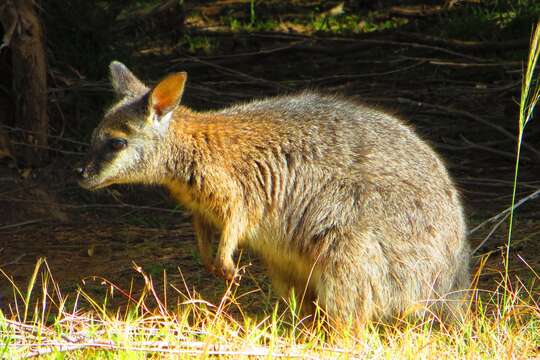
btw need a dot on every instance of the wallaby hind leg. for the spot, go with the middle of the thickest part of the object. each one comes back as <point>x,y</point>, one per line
<point>345,288</point>
<point>287,285</point>
<point>344,297</point>
<point>458,300</point>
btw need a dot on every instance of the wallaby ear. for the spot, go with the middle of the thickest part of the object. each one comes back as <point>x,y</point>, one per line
<point>123,80</point>
<point>166,95</point>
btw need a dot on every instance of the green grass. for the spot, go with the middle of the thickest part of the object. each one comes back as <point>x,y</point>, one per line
<point>197,45</point>
<point>350,23</point>
<point>339,24</point>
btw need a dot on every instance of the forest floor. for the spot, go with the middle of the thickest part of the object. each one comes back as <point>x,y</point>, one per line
<point>462,95</point>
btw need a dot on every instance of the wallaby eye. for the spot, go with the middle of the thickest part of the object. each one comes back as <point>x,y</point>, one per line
<point>117,144</point>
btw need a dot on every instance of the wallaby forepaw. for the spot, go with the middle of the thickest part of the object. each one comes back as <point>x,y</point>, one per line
<point>210,268</point>
<point>226,270</point>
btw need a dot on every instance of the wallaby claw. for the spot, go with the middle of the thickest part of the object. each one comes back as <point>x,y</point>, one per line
<point>210,268</point>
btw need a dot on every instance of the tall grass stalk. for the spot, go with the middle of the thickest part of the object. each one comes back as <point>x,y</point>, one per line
<point>530,95</point>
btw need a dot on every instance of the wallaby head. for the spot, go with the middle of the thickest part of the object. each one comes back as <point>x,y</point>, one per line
<point>132,132</point>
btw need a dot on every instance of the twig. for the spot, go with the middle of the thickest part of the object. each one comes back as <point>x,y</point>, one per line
<point>61,138</point>
<point>356,76</point>
<point>13,262</point>
<point>25,327</point>
<point>504,214</point>
<point>92,206</point>
<point>358,43</point>
<point>496,182</point>
<point>491,150</point>
<point>58,348</point>
<point>191,349</point>
<point>66,152</point>
<point>417,11</point>
<point>293,45</point>
<point>475,65</point>
<point>467,45</point>
<point>422,46</point>
<point>27,222</point>
<point>493,229</point>
<point>469,115</point>
<point>239,73</point>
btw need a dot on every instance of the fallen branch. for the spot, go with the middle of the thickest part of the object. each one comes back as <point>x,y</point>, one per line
<point>466,45</point>
<point>355,43</point>
<point>417,11</point>
<point>23,223</point>
<point>475,65</point>
<point>218,350</point>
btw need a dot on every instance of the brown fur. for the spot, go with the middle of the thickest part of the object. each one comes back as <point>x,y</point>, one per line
<point>345,204</point>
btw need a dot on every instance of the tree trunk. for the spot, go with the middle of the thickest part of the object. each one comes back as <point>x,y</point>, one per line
<point>24,36</point>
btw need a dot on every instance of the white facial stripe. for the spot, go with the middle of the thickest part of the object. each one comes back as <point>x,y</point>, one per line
<point>167,117</point>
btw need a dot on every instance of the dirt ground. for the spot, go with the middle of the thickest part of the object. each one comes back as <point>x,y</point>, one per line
<point>462,98</point>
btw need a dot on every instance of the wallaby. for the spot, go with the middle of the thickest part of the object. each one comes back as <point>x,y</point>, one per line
<point>344,203</point>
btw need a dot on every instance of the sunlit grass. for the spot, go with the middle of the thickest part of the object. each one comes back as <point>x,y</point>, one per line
<point>180,323</point>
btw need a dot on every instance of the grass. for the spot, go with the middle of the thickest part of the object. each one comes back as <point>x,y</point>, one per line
<point>174,322</point>
<point>341,23</point>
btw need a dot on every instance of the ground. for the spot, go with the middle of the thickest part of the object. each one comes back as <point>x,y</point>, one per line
<point>461,96</point>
